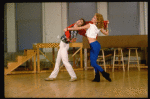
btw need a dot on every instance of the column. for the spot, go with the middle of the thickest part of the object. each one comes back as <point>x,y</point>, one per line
<point>11,32</point>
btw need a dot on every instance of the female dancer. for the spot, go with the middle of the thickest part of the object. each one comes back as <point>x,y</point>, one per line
<point>91,33</point>
<point>68,37</point>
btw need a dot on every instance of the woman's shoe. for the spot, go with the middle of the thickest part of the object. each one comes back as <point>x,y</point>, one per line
<point>106,75</point>
<point>97,77</point>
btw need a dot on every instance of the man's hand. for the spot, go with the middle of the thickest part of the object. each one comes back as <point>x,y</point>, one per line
<point>65,29</point>
<point>73,40</point>
<point>68,39</point>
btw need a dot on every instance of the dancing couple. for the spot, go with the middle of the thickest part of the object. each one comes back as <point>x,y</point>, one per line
<point>89,29</point>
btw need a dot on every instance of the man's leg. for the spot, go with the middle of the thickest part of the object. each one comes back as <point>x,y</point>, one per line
<point>68,66</point>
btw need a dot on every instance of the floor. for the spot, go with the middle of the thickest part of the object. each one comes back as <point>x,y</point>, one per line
<point>124,84</point>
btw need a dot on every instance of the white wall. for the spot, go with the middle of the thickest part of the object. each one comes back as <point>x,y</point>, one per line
<point>54,17</point>
<point>146,17</point>
<point>102,9</point>
<point>52,21</point>
<point>64,16</point>
<point>141,29</point>
<point>143,18</point>
<point>11,32</point>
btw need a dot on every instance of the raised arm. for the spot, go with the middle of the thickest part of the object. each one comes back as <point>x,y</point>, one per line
<point>105,32</point>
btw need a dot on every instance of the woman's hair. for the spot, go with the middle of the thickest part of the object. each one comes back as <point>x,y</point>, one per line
<point>100,20</point>
<point>83,21</point>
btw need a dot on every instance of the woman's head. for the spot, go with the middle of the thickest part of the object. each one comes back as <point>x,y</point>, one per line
<point>80,22</point>
<point>98,19</point>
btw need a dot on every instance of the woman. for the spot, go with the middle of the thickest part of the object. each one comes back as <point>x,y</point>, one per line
<point>69,36</point>
<point>91,32</point>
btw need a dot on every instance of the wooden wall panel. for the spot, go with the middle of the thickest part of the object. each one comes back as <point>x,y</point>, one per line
<point>120,41</point>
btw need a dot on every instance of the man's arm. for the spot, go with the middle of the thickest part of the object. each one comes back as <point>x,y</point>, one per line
<point>79,28</point>
<point>67,32</point>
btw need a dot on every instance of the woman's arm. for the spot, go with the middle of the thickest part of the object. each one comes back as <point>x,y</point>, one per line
<point>105,32</point>
<point>79,28</point>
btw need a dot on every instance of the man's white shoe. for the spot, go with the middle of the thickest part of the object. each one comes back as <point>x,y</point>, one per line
<point>49,79</point>
<point>73,79</point>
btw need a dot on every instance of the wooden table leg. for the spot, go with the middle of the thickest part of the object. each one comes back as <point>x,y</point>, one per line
<point>146,56</point>
<point>74,65</point>
<point>35,63</point>
<point>53,51</point>
<point>38,60</point>
<point>85,58</point>
<point>81,64</point>
<point>119,53</point>
<point>30,65</point>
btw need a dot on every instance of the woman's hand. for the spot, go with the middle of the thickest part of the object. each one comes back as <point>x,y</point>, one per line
<point>107,23</point>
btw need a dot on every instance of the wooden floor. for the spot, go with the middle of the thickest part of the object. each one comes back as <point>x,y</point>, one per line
<point>124,84</point>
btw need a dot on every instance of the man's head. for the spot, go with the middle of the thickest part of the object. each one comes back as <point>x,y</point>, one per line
<point>80,22</point>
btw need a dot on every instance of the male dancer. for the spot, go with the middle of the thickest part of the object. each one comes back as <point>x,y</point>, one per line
<point>69,36</point>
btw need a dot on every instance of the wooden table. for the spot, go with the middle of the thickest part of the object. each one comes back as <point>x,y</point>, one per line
<point>56,45</point>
